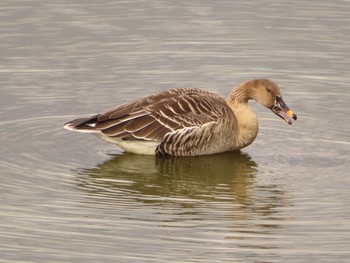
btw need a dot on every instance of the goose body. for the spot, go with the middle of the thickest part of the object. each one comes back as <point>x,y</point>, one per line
<point>186,121</point>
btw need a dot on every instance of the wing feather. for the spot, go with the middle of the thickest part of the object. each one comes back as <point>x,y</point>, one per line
<point>139,123</point>
<point>152,132</point>
<point>180,119</point>
<point>115,131</point>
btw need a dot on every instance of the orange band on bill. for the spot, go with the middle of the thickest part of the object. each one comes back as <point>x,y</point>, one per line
<point>290,113</point>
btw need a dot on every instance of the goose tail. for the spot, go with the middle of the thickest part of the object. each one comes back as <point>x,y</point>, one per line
<point>85,125</point>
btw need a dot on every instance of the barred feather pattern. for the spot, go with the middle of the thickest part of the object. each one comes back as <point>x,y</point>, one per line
<point>184,121</point>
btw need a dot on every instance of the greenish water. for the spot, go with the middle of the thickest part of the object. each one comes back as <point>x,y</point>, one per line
<point>68,197</point>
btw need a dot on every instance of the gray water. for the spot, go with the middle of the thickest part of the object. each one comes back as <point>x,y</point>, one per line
<point>68,197</point>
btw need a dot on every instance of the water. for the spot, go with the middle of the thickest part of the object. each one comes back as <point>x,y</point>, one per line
<point>69,197</point>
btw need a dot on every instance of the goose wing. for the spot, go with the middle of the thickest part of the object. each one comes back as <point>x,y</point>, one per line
<point>177,118</point>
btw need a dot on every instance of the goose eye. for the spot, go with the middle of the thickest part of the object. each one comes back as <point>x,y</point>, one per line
<point>268,89</point>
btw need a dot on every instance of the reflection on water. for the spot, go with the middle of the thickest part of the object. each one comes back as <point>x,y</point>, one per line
<point>174,176</point>
<point>193,198</point>
<point>227,179</point>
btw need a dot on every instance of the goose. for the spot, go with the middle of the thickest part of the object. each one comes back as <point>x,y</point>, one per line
<point>186,121</point>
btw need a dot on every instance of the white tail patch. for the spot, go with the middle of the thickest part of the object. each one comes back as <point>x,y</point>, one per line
<point>71,127</point>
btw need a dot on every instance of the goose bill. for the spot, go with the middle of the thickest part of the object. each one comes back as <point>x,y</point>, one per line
<point>281,109</point>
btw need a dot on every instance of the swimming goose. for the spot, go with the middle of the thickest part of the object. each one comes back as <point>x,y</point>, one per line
<point>186,121</point>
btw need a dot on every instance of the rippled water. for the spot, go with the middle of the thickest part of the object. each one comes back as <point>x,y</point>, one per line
<point>69,197</point>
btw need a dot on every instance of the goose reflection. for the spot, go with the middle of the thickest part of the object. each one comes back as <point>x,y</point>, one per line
<point>227,177</point>
<point>216,189</point>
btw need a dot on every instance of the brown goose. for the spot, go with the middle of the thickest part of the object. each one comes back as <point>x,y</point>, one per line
<point>186,121</point>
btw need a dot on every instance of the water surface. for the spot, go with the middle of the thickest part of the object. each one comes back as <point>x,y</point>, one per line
<point>69,197</point>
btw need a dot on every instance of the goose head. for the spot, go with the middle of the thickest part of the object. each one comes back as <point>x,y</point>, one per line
<point>267,93</point>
